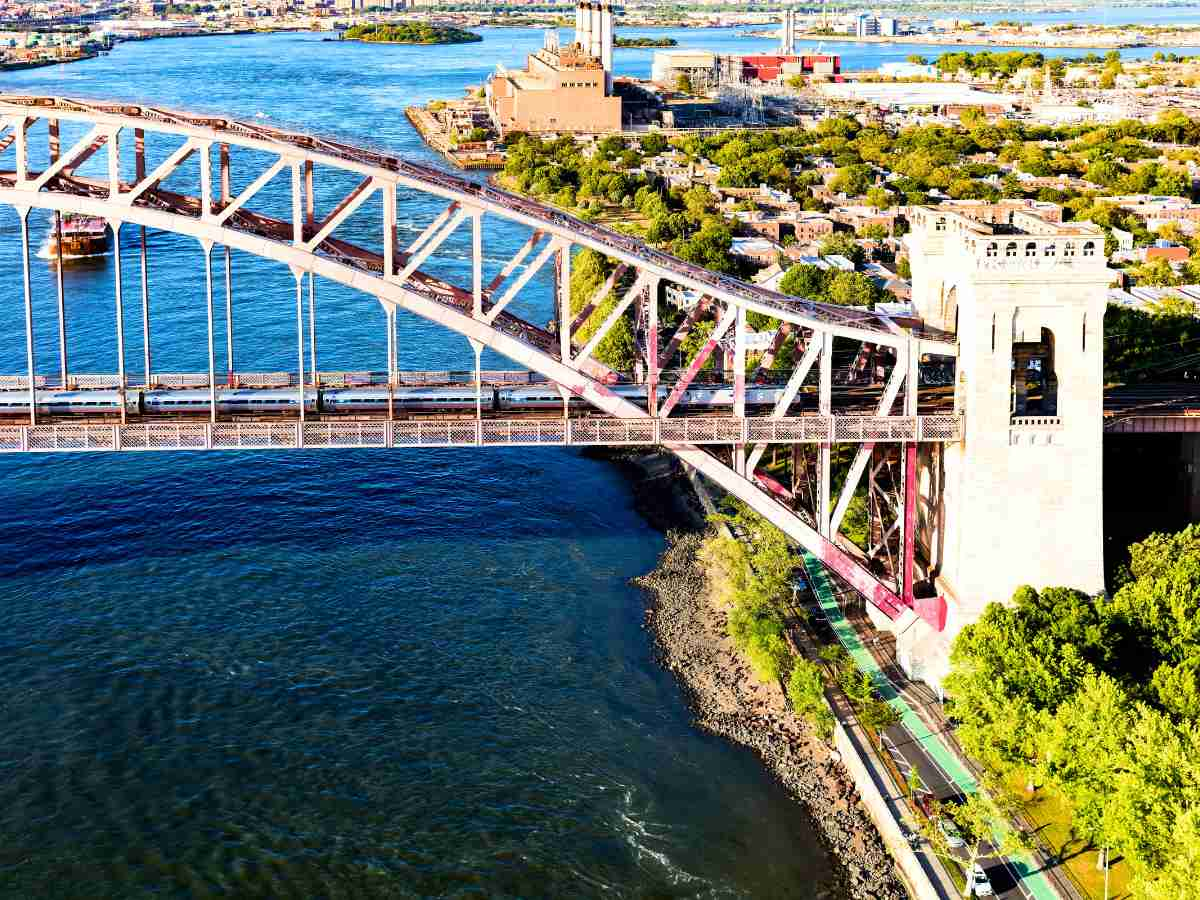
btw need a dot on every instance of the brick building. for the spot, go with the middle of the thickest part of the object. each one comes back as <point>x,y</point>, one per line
<point>562,89</point>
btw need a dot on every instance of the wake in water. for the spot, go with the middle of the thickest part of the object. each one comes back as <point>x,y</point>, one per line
<point>43,252</point>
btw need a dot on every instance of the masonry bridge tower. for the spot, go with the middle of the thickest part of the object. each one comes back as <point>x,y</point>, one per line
<point>1019,499</point>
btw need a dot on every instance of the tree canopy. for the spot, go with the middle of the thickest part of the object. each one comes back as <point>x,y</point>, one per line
<point>410,33</point>
<point>1100,699</point>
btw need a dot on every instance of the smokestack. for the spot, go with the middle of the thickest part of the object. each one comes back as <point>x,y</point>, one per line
<point>606,43</point>
<point>596,30</point>
<point>579,35</point>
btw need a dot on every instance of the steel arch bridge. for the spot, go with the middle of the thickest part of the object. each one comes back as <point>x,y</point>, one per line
<point>216,216</point>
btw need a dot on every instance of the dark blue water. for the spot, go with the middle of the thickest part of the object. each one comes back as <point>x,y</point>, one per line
<point>339,674</point>
<point>336,673</point>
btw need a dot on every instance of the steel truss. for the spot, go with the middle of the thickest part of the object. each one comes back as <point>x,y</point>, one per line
<point>307,243</point>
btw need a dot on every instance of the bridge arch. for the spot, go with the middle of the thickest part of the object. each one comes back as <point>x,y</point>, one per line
<point>395,277</point>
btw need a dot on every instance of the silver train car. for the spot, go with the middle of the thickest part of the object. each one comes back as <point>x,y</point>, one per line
<point>229,400</point>
<point>415,399</point>
<point>67,403</point>
<point>548,398</point>
<point>250,401</point>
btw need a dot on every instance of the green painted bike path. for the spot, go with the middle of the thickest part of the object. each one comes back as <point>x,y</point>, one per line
<point>1032,879</point>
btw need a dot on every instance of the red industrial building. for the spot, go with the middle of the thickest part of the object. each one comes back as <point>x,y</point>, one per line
<point>775,66</point>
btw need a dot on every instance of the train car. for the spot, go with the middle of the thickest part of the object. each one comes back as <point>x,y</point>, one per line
<point>722,396</point>
<point>636,393</point>
<point>244,401</point>
<point>352,400</point>
<point>538,397</point>
<point>425,399</point>
<point>375,399</point>
<point>67,403</point>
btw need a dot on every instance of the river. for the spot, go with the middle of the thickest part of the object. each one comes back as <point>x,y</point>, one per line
<point>341,673</point>
<point>337,673</point>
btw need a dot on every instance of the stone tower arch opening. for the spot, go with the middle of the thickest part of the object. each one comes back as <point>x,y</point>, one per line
<point>1034,380</point>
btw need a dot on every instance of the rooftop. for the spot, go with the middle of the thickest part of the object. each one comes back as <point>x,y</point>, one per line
<point>916,94</point>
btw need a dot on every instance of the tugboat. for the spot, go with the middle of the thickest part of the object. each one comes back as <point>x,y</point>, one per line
<point>81,236</point>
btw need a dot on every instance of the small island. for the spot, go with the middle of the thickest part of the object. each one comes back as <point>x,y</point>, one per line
<point>645,42</point>
<point>410,33</point>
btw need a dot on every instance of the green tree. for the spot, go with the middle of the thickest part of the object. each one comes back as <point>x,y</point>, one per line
<point>806,281</point>
<point>806,692</point>
<point>879,715</point>
<point>756,590</point>
<point>709,247</point>
<point>983,822</point>
<point>1137,342</point>
<point>853,289</point>
<point>879,197</point>
<point>851,180</point>
<point>1084,750</point>
<point>842,243</point>
<point>1104,172</point>
<point>654,144</point>
<point>1156,272</point>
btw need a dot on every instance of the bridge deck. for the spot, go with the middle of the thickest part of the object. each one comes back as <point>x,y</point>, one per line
<point>1159,408</point>
<point>463,432</point>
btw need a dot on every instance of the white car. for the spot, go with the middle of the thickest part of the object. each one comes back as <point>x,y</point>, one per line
<point>980,885</point>
<point>951,833</point>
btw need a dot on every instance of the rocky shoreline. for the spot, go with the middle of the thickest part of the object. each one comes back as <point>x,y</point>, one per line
<point>688,627</point>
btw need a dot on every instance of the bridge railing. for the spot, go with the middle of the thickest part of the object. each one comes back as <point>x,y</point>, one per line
<point>185,435</point>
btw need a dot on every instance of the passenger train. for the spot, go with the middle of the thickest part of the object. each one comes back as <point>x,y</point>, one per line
<point>405,400</point>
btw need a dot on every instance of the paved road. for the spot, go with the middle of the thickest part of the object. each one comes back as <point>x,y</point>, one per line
<point>914,743</point>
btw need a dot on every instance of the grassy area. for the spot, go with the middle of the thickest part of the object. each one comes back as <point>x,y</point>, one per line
<point>1050,814</point>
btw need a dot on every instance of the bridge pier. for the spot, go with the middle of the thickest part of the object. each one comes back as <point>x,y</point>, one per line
<point>1022,493</point>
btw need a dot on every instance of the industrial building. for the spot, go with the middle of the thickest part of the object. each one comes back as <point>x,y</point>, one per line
<point>699,67</point>
<point>943,98</point>
<point>765,68</point>
<point>867,25</point>
<point>710,70</point>
<point>562,89</point>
